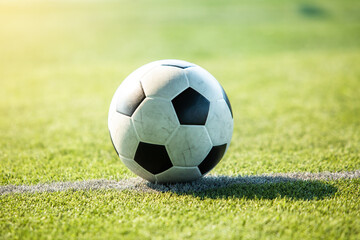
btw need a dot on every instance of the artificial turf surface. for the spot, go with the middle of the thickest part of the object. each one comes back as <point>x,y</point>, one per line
<point>290,69</point>
<point>298,210</point>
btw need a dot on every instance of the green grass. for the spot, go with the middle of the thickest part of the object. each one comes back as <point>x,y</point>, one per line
<point>290,68</point>
<point>273,211</point>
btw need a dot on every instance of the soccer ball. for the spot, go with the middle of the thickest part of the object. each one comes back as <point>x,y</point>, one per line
<point>170,121</point>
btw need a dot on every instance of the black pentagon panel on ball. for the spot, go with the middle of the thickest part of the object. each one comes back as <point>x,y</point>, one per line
<point>128,101</point>
<point>152,157</point>
<point>213,158</point>
<point>178,65</point>
<point>191,107</point>
<point>227,101</point>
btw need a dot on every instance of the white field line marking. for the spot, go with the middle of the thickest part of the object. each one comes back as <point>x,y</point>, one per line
<point>207,182</point>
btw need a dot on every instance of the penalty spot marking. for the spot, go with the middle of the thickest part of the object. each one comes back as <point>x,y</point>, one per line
<point>207,182</point>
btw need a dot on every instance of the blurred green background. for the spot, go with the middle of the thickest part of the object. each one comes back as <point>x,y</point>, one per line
<point>290,68</point>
